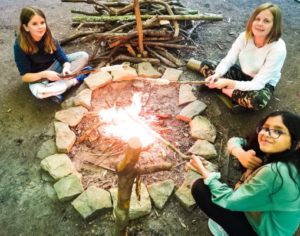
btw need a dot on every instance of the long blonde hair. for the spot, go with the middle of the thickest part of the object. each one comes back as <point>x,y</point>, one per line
<point>276,30</point>
<point>26,42</point>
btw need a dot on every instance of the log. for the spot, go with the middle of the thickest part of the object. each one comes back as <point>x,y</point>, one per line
<point>76,36</point>
<point>122,57</point>
<point>168,55</point>
<point>161,58</point>
<point>211,17</point>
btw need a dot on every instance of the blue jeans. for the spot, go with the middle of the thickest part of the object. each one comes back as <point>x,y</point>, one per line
<point>48,88</point>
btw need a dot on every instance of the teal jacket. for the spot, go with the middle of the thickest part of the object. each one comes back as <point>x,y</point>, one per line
<point>269,214</point>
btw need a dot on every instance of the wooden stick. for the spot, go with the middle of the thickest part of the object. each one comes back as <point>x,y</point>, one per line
<point>126,175</point>
<point>139,25</point>
<point>123,57</point>
<point>211,17</point>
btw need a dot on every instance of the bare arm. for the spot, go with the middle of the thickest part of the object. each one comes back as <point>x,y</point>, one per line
<point>248,158</point>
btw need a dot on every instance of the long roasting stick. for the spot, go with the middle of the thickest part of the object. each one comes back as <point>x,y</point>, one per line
<point>103,69</point>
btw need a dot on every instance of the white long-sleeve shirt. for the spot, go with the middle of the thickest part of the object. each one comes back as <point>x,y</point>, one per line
<point>263,64</point>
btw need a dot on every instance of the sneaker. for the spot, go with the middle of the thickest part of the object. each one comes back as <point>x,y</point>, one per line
<point>58,99</point>
<point>80,78</point>
<point>216,229</point>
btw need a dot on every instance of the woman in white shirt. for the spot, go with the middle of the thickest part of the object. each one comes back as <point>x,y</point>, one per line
<point>261,54</point>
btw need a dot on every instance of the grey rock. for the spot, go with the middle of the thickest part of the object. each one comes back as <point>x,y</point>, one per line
<point>47,148</point>
<point>160,192</point>
<point>68,187</point>
<point>204,148</point>
<point>98,80</point>
<point>71,116</point>
<point>191,110</point>
<point>147,70</point>
<point>202,128</point>
<point>58,165</point>
<point>172,74</point>
<point>137,208</point>
<point>186,94</point>
<point>92,202</point>
<point>65,138</point>
<point>84,98</point>
<point>184,194</point>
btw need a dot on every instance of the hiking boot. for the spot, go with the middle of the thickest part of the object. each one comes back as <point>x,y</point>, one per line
<point>58,99</point>
<point>80,78</point>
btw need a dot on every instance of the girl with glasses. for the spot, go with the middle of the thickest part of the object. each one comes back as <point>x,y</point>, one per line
<point>267,201</point>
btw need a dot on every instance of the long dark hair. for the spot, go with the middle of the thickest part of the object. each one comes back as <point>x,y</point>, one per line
<point>291,156</point>
<point>26,42</point>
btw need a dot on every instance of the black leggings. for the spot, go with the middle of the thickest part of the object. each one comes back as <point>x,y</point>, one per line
<point>233,222</point>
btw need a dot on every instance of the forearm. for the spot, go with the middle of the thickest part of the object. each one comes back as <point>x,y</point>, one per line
<point>237,152</point>
<point>33,77</point>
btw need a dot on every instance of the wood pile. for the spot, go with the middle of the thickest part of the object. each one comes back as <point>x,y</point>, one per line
<point>137,31</point>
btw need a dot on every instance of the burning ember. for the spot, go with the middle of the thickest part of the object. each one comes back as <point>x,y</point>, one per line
<point>121,122</point>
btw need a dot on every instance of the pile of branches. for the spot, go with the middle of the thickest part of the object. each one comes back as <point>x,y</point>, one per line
<point>138,31</point>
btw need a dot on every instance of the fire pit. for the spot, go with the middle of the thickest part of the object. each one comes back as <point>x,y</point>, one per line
<point>122,111</point>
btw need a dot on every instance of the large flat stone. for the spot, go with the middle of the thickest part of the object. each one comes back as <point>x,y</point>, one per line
<point>98,80</point>
<point>202,128</point>
<point>92,202</point>
<point>65,138</point>
<point>58,165</point>
<point>145,69</point>
<point>137,208</point>
<point>160,192</point>
<point>71,116</point>
<point>68,187</point>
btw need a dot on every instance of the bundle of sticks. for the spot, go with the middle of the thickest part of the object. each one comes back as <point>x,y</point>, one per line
<point>137,31</point>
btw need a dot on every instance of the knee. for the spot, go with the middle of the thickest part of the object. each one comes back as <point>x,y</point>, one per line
<point>197,187</point>
<point>259,103</point>
<point>84,56</point>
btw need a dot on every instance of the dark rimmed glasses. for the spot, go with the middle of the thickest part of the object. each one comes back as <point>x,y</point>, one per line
<point>273,133</point>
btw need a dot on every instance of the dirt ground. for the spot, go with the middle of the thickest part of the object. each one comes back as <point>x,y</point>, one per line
<point>27,203</point>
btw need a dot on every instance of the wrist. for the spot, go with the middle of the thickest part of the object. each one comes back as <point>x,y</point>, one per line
<point>67,65</point>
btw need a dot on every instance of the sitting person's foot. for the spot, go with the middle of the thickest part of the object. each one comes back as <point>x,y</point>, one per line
<point>80,78</point>
<point>58,99</point>
<point>237,109</point>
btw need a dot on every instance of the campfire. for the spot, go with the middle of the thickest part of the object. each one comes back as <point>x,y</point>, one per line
<point>120,122</point>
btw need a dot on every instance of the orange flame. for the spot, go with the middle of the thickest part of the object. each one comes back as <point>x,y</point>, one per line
<point>121,125</point>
